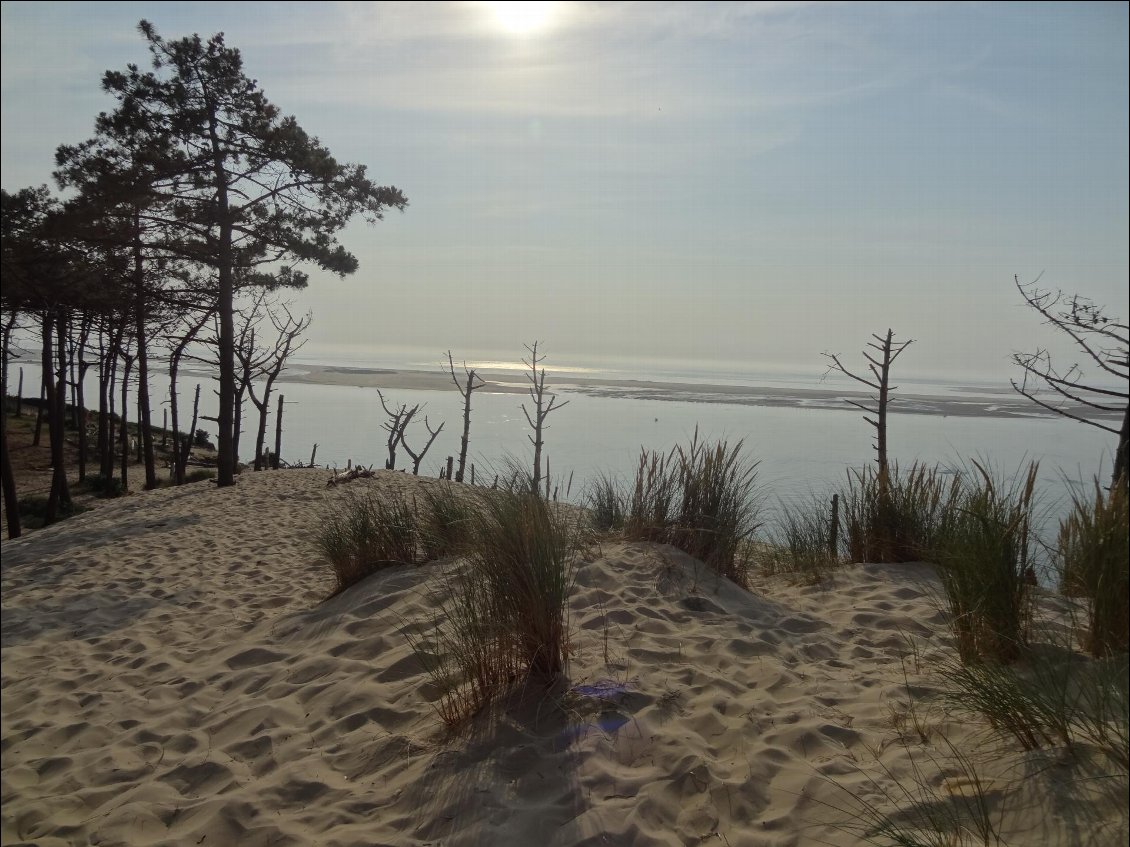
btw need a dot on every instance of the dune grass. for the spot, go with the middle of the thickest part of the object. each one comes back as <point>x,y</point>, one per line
<point>701,499</point>
<point>982,548</point>
<point>605,499</point>
<point>1094,540</point>
<point>800,543</point>
<point>501,617</point>
<point>894,517</point>
<point>365,533</point>
<point>445,519</point>
<point>1054,698</point>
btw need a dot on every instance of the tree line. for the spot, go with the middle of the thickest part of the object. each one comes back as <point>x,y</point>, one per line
<point>187,213</point>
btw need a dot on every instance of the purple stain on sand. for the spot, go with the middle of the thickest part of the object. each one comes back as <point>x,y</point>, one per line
<point>608,722</point>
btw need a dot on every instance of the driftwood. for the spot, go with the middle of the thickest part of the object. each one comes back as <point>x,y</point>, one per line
<point>358,472</point>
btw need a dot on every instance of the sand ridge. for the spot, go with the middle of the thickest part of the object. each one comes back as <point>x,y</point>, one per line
<point>171,675</point>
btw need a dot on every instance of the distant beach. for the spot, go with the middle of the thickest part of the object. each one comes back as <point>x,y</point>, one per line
<point>957,400</point>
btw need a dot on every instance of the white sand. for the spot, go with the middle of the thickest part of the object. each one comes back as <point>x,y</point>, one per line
<point>172,676</point>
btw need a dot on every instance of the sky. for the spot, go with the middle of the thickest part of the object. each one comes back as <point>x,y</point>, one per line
<point>744,183</point>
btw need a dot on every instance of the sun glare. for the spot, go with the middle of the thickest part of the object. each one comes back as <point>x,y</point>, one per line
<point>522,18</point>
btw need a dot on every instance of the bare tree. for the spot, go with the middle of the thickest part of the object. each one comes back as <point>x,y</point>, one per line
<point>397,425</point>
<point>887,351</point>
<point>419,457</point>
<point>473,382</point>
<point>542,410</point>
<point>1106,342</point>
<point>288,332</point>
<point>398,420</point>
<point>193,324</point>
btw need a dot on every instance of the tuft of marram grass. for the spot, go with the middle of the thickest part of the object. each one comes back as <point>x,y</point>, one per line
<point>1058,699</point>
<point>895,516</point>
<point>445,521</point>
<point>606,501</point>
<point>1094,544</point>
<point>502,618</point>
<point>700,499</point>
<point>367,533</point>
<point>799,544</point>
<point>982,550</point>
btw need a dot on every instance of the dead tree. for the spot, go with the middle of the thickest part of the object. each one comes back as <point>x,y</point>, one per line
<point>465,389</point>
<point>184,450</point>
<point>398,420</point>
<point>419,457</point>
<point>887,350</point>
<point>193,325</point>
<point>1105,342</point>
<point>270,366</point>
<point>542,410</point>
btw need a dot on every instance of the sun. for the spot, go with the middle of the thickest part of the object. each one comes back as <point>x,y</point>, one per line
<point>522,18</point>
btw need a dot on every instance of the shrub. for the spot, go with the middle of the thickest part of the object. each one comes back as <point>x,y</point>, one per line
<point>502,616</point>
<point>33,511</point>
<point>102,486</point>
<point>1094,540</point>
<point>895,517</point>
<point>982,550</point>
<point>701,500</point>
<point>365,534</point>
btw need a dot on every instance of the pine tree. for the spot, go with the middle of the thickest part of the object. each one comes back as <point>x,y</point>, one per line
<point>247,192</point>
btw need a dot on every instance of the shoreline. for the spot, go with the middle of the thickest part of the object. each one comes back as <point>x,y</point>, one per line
<point>970,402</point>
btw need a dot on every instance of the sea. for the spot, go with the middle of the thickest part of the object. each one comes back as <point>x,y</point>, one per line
<point>804,451</point>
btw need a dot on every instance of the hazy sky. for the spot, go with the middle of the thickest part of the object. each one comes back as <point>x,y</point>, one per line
<point>750,182</point>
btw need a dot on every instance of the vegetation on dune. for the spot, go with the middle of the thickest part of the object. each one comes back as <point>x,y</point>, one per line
<point>1093,543</point>
<point>702,499</point>
<point>501,619</point>
<point>895,516</point>
<point>802,543</point>
<point>982,547</point>
<point>605,500</point>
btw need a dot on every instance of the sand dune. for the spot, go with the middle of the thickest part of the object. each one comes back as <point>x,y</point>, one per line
<point>171,675</point>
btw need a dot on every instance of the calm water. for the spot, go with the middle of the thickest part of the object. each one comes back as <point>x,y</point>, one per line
<point>802,451</point>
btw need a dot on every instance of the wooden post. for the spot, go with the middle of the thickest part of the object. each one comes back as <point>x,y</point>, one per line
<point>472,474</point>
<point>20,396</point>
<point>313,453</point>
<point>164,428</point>
<point>834,529</point>
<point>278,434</point>
<point>450,460</point>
